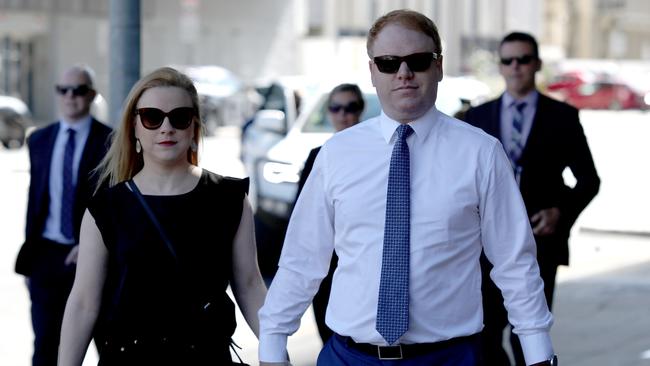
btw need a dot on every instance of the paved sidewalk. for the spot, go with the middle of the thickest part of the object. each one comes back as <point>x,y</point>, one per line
<point>602,303</point>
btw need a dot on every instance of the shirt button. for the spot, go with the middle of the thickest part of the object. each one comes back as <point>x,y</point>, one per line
<point>121,349</point>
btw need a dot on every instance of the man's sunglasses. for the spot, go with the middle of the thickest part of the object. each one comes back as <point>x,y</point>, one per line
<point>352,108</point>
<point>416,62</point>
<point>77,90</point>
<point>152,118</point>
<point>521,60</point>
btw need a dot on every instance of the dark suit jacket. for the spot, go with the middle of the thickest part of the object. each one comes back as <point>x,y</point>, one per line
<point>41,145</point>
<point>556,141</point>
<point>309,163</point>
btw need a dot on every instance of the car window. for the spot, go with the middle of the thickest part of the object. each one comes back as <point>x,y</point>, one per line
<point>318,122</point>
<point>588,89</point>
<point>275,99</point>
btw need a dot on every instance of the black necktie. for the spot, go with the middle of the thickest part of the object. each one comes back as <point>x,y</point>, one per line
<point>67,198</point>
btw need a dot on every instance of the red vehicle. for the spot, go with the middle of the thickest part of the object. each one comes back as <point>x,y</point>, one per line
<point>580,91</point>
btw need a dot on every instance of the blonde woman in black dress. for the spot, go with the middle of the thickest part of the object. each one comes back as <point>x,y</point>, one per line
<point>157,295</point>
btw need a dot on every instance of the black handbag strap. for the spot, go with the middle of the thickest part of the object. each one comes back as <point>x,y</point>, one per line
<point>131,184</point>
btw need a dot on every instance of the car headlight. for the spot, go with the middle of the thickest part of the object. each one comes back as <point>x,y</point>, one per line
<point>274,172</point>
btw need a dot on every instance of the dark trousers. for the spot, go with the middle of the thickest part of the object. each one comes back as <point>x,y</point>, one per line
<point>337,352</point>
<point>49,286</point>
<point>322,299</point>
<point>495,316</point>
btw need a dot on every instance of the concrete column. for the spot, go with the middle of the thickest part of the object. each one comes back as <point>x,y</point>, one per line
<point>124,69</point>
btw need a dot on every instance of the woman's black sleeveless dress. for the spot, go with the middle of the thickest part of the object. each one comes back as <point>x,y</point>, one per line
<point>156,309</point>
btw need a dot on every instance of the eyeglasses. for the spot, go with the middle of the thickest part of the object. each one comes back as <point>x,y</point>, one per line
<point>521,60</point>
<point>152,118</point>
<point>77,90</point>
<point>416,62</point>
<point>351,108</point>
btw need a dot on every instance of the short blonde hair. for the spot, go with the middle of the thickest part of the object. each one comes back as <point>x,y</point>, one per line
<point>409,19</point>
<point>122,162</point>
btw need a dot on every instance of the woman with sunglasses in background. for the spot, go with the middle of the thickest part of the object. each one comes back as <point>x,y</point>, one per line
<point>154,266</point>
<point>345,105</point>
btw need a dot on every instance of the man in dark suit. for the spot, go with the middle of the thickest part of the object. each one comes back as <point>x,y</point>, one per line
<point>542,137</point>
<point>62,158</point>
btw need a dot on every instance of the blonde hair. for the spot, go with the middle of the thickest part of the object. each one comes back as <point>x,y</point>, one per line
<point>122,162</point>
<point>406,18</point>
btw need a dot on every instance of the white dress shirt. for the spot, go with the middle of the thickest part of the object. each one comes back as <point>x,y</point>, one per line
<point>463,199</point>
<point>52,229</point>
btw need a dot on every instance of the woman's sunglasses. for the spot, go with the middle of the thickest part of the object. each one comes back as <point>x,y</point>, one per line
<point>416,62</point>
<point>152,118</point>
<point>351,108</point>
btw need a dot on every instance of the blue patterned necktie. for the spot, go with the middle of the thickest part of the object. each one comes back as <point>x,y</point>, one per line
<point>393,304</point>
<point>67,198</point>
<point>516,139</point>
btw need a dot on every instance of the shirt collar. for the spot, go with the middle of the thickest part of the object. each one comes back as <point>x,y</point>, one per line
<point>421,126</point>
<point>80,125</point>
<point>530,99</point>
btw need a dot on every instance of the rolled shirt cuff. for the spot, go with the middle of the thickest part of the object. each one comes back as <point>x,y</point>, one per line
<point>537,347</point>
<point>273,348</point>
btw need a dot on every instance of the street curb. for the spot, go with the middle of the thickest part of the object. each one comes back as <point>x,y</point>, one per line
<point>645,234</point>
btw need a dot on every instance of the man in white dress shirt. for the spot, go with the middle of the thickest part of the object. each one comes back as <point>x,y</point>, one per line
<point>463,198</point>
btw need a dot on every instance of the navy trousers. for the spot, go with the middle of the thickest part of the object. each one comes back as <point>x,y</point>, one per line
<point>49,286</point>
<point>337,353</point>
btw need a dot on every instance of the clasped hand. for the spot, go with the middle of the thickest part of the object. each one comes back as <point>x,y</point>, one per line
<point>545,221</point>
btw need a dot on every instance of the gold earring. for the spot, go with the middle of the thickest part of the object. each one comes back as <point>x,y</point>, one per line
<point>138,146</point>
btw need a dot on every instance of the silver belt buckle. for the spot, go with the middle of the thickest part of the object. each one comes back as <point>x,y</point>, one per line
<point>390,352</point>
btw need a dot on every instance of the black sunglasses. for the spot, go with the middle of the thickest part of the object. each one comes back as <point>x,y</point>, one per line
<point>352,108</point>
<point>521,60</point>
<point>77,90</point>
<point>152,118</point>
<point>416,62</point>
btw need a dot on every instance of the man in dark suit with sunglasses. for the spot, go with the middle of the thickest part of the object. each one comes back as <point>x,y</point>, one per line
<point>542,137</point>
<point>62,158</point>
<point>407,200</point>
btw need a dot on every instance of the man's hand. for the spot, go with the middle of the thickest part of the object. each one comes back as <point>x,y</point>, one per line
<point>545,221</point>
<point>72,256</point>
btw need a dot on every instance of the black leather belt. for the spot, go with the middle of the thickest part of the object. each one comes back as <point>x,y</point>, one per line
<point>402,351</point>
